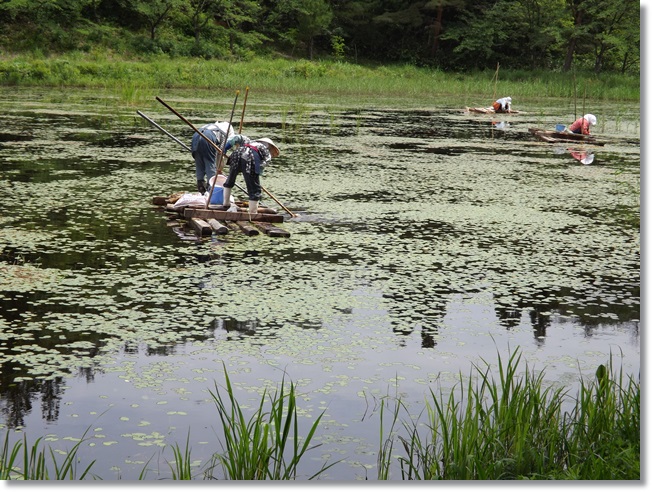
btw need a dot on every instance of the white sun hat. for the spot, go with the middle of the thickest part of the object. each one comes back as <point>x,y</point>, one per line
<point>273,149</point>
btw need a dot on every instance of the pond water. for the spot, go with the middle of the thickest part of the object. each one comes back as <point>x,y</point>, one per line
<point>427,240</point>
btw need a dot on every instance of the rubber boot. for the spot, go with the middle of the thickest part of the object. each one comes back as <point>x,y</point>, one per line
<point>201,186</point>
<point>253,206</point>
<point>227,197</point>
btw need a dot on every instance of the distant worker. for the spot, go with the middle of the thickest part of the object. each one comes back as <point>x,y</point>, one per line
<point>249,157</point>
<point>503,105</point>
<point>582,125</point>
<point>205,154</point>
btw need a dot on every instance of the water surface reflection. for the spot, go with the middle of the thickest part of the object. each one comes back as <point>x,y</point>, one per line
<point>427,239</point>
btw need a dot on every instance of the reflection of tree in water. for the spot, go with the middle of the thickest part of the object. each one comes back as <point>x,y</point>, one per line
<point>417,303</point>
<point>508,317</point>
<point>135,348</point>
<point>588,315</point>
<point>429,332</point>
<point>17,396</point>
<point>16,399</point>
<point>428,337</point>
<point>540,323</point>
<point>240,329</point>
<point>253,328</point>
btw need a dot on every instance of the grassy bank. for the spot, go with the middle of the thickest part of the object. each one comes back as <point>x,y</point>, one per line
<point>284,76</point>
<point>489,428</point>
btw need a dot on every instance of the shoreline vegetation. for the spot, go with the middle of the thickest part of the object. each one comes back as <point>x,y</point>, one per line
<point>509,427</point>
<point>128,78</point>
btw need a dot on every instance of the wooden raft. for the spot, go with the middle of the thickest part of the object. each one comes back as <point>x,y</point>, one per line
<point>488,111</point>
<point>204,222</point>
<point>563,137</point>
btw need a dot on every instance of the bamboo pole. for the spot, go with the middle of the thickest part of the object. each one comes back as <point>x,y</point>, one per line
<point>575,92</point>
<point>226,137</point>
<point>244,105</point>
<point>496,82</point>
<point>210,142</point>
<point>151,121</point>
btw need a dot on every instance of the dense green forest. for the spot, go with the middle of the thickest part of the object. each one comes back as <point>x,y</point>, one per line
<point>454,35</point>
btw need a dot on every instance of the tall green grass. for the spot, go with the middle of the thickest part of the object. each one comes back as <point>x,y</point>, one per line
<point>267,445</point>
<point>22,461</point>
<point>137,78</point>
<point>505,427</point>
<point>515,428</point>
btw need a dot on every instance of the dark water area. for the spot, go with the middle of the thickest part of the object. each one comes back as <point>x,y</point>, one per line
<point>427,239</point>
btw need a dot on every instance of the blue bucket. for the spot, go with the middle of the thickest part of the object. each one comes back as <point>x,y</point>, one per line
<point>560,128</point>
<point>218,196</point>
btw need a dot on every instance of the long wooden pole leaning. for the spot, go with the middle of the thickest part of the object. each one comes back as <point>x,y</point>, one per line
<point>575,92</point>
<point>277,201</point>
<point>164,131</point>
<point>496,82</point>
<point>220,165</point>
<point>213,144</point>
<point>244,105</point>
<point>584,101</point>
<point>189,124</point>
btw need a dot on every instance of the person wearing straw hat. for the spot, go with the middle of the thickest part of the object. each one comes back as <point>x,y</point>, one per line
<point>205,154</point>
<point>503,105</point>
<point>249,157</point>
<point>582,125</point>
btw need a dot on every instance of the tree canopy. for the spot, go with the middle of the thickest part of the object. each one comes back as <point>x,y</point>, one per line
<point>596,35</point>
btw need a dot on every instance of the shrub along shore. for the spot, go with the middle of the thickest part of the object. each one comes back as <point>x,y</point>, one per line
<point>286,76</point>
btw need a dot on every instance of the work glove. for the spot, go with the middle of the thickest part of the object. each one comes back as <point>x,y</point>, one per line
<point>234,141</point>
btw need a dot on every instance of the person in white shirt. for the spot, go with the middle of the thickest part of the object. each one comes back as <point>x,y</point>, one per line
<point>205,154</point>
<point>503,105</point>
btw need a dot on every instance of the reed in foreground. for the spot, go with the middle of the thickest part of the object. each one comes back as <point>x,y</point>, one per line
<point>514,428</point>
<point>24,462</point>
<point>267,445</point>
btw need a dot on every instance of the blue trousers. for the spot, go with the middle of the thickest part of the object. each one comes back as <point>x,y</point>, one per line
<point>205,155</point>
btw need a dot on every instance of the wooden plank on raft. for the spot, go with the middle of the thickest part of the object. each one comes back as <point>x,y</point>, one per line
<point>480,110</point>
<point>161,201</point>
<point>489,111</point>
<point>203,213</point>
<point>271,230</point>
<point>247,228</point>
<point>262,209</point>
<point>201,226</point>
<point>244,208</point>
<point>545,138</point>
<point>555,134</point>
<point>218,227</point>
<point>563,137</point>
